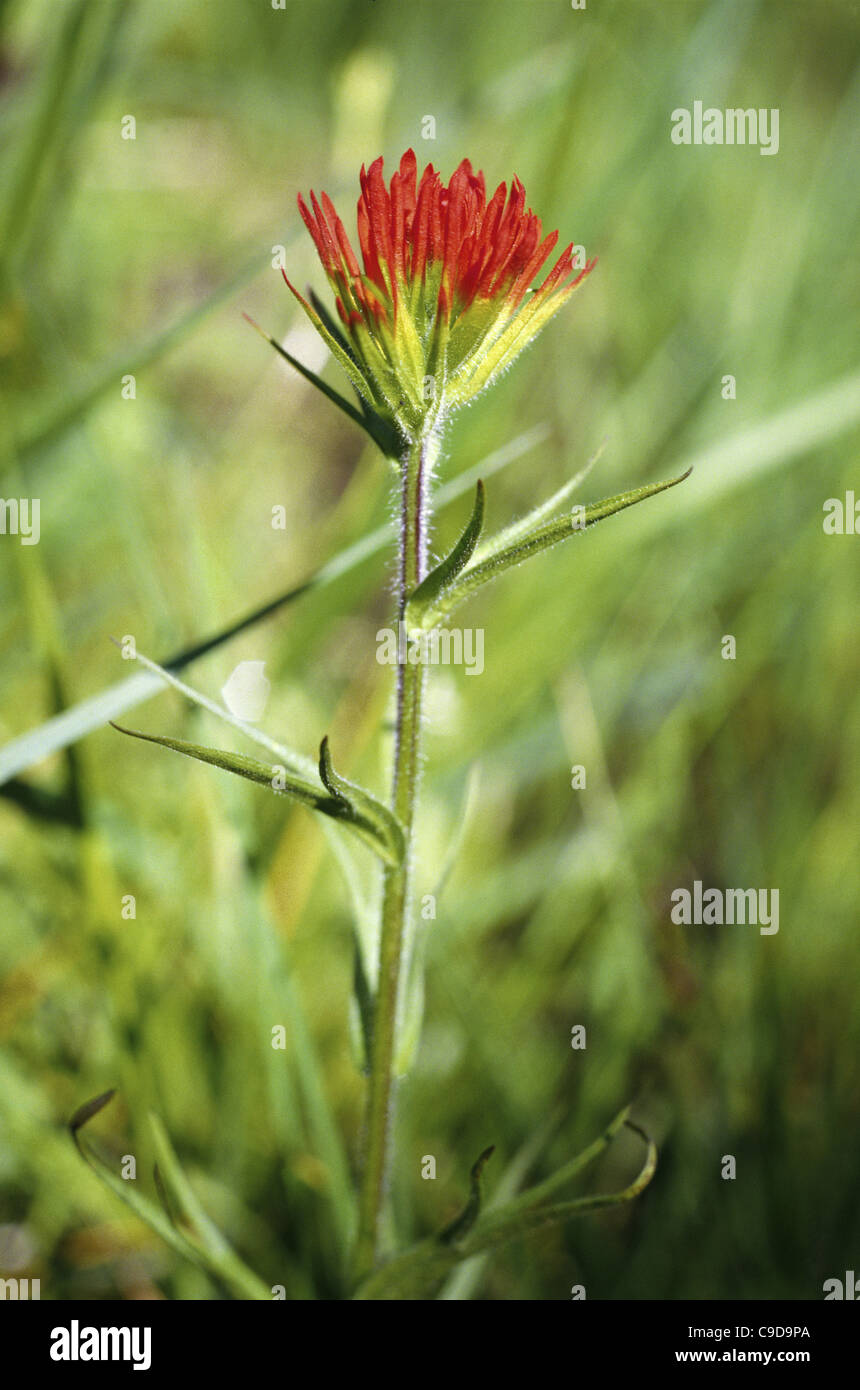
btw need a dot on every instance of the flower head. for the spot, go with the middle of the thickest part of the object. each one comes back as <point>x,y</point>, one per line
<point>441,302</point>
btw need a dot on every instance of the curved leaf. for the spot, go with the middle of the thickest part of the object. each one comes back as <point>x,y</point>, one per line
<point>418,1272</point>
<point>542,512</point>
<point>365,816</point>
<point>381,431</point>
<point>361,805</point>
<point>211,1253</point>
<point>439,580</point>
<point>463,1223</point>
<point>94,712</point>
<point>503,556</point>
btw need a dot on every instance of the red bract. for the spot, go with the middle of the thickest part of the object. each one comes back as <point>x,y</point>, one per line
<point>442,288</point>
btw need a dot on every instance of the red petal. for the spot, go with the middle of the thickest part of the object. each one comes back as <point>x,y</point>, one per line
<point>421,221</point>
<point>343,241</point>
<point>314,230</point>
<point>331,258</point>
<point>532,266</point>
<point>408,172</point>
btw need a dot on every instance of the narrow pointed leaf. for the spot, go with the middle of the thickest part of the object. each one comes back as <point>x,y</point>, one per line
<point>224,1264</point>
<point>440,579</point>
<point>418,1272</point>
<point>340,401</point>
<point>383,434</point>
<point>380,429</point>
<point>331,324</point>
<point>281,781</point>
<point>465,1278</point>
<point>95,711</point>
<point>191,1208</point>
<point>463,1223</point>
<point>541,538</point>
<point>359,803</point>
<point>264,774</point>
<point>532,1210</point>
<point>542,512</point>
<point>542,1191</point>
<point>163,1198</point>
<point>88,1110</point>
<point>346,359</point>
<point>302,767</point>
<point>147,1211</point>
<point>328,776</point>
<point>362,1019</point>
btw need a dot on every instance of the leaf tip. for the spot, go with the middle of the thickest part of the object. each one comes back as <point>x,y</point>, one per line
<point>325,766</point>
<point>90,1108</point>
<point>481,1161</point>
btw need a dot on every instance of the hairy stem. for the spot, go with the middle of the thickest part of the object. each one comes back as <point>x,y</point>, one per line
<point>396,895</point>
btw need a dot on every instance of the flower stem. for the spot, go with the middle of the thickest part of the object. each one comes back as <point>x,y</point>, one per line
<point>417,467</point>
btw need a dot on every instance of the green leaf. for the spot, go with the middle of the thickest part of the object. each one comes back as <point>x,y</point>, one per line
<point>439,580</point>
<point>418,1273</point>
<point>542,512</point>
<point>361,1019</point>
<point>357,801</point>
<point>463,1223</point>
<point>503,554</point>
<point>174,1181</point>
<point>383,434</point>
<point>264,774</point>
<point>94,712</point>
<point>380,427</point>
<point>161,1190</point>
<point>465,1277</point>
<point>331,324</point>
<point>361,813</point>
<point>221,1262</point>
<point>90,1108</point>
<point>511,1222</point>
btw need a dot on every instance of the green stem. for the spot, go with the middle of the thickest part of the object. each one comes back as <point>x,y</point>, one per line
<point>417,467</point>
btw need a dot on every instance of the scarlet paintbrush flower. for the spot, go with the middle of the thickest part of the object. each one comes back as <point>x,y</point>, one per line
<point>443,301</point>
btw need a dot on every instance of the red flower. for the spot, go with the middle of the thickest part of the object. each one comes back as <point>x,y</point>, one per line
<point>439,305</point>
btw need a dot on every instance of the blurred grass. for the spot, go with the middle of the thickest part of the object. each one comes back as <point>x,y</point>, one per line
<point>121,256</point>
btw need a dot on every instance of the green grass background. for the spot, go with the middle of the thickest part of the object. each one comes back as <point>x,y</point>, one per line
<point>139,257</point>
